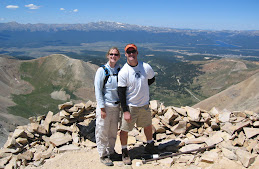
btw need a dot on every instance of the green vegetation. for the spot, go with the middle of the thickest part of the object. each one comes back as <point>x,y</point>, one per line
<point>172,79</point>
<point>171,98</point>
<point>39,101</point>
<point>178,82</point>
<point>36,103</point>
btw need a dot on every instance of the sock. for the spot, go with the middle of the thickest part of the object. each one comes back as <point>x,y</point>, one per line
<point>124,146</point>
<point>149,141</point>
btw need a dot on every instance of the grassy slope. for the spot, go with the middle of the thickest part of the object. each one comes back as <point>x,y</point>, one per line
<point>42,75</point>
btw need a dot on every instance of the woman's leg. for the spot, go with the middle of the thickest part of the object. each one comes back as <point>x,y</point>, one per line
<point>101,134</point>
<point>113,129</point>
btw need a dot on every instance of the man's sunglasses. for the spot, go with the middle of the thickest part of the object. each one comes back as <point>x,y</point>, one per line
<point>113,54</point>
<point>131,51</point>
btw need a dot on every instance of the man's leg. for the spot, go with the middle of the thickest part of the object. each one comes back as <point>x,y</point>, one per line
<point>124,138</point>
<point>125,153</point>
<point>125,127</point>
<point>150,147</point>
<point>148,132</point>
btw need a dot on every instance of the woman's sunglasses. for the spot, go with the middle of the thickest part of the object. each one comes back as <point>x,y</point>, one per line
<point>113,54</point>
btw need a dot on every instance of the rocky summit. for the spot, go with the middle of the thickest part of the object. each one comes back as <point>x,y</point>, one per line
<point>188,136</point>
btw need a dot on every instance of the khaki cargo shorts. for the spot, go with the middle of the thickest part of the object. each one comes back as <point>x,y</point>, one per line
<point>141,116</point>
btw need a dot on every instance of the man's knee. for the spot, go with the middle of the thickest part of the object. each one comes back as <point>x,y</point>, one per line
<point>149,127</point>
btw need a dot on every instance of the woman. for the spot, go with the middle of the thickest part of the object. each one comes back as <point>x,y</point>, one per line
<point>107,112</point>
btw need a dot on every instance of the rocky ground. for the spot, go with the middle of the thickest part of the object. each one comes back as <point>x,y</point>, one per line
<point>8,123</point>
<point>89,159</point>
<point>62,140</point>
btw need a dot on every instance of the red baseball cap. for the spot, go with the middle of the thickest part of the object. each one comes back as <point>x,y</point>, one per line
<point>131,46</point>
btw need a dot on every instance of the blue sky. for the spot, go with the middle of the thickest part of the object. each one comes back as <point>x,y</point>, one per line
<point>193,14</point>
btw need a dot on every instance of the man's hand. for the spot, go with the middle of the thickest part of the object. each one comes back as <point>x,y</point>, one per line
<point>103,113</point>
<point>127,116</point>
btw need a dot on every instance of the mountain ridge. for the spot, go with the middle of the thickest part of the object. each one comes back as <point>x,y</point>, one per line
<point>21,39</point>
<point>44,76</point>
<point>33,87</point>
<point>223,73</point>
<point>239,97</point>
<point>107,26</point>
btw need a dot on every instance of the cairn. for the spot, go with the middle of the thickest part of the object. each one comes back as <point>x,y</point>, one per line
<point>234,134</point>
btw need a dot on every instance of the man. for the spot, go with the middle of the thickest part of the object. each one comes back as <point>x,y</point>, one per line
<point>133,89</point>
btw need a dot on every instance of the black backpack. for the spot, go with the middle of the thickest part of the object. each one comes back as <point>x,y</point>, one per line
<point>107,74</point>
<point>88,131</point>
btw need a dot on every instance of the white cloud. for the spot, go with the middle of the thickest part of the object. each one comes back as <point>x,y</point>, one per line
<point>75,10</point>
<point>32,6</point>
<point>12,6</point>
<point>1,19</point>
<point>62,9</point>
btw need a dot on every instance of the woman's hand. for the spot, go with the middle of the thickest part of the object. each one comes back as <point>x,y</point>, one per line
<point>103,113</point>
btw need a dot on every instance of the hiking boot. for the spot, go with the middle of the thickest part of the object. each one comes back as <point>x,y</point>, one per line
<point>106,161</point>
<point>150,148</point>
<point>125,157</point>
<point>115,156</point>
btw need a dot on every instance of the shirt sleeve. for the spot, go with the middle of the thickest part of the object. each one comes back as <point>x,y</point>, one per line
<point>98,87</point>
<point>150,72</point>
<point>151,81</point>
<point>122,96</point>
<point>122,79</point>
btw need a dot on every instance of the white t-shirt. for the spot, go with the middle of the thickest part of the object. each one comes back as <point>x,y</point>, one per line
<point>136,81</point>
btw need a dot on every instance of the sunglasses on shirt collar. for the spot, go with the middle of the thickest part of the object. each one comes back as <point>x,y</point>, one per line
<point>131,51</point>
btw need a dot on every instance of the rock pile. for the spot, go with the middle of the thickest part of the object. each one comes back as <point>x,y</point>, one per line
<point>47,135</point>
<point>235,135</point>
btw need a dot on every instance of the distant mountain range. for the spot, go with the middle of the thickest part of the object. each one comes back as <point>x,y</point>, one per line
<point>34,35</point>
<point>93,26</point>
<point>106,26</point>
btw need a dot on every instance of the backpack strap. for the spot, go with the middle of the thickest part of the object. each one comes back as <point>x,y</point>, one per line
<point>107,74</point>
<point>118,73</point>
